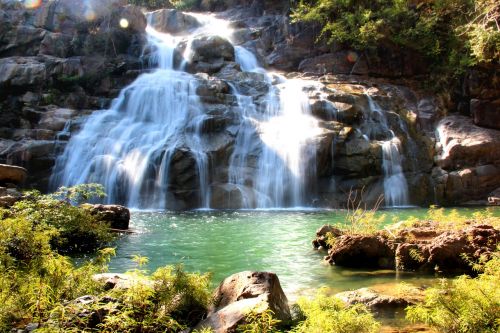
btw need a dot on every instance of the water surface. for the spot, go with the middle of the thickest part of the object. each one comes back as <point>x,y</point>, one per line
<point>224,243</point>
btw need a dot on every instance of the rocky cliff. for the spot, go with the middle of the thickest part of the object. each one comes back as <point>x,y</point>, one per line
<point>60,62</point>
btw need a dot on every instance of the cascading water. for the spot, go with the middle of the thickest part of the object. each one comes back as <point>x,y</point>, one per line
<point>395,183</point>
<point>130,147</point>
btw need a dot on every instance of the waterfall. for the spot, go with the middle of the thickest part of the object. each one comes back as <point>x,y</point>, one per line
<point>395,183</point>
<point>131,147</point>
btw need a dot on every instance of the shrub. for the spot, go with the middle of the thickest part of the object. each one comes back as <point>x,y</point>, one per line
<point>71,229</point>
<point>327,314</point>
<point>451,34</point>
<point>462,305</point>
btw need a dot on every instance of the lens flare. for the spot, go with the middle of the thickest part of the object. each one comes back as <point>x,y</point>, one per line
<point>124,23</point>
<point>352,56</point>
<point>32,4</point>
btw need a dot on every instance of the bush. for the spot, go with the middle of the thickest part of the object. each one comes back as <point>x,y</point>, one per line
<point>451,34</point>
<point>327,314</point>
<point>71,229</point>
<point>463,305</point>
<point>158,4</point>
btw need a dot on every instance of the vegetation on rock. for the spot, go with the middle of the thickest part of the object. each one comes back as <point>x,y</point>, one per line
<point>464,304</point>
<point>452,34</point>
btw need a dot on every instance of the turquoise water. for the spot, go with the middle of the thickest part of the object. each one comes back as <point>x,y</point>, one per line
<point>224,243</point>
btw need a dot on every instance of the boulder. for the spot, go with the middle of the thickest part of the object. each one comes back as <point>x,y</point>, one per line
<point>465,144</point>
<point>173,21</point>
<point>361,251</point>
<point>447,251</point>
<point>341,62</point>
<point>117,216</point>
<point>374,301</point>
<point>486,113</point>
<point>10,174</point>
<point>241,293</point>
<point>211,48</point>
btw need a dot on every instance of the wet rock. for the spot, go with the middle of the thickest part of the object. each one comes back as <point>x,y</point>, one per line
<point>10,174</point>
<point>210,48</point>
<point>361,251</point>
<point>118,281</point>
<point>231,196</point>
<point>173,21</point>
<point>244,292</point>
<point>117,216</point>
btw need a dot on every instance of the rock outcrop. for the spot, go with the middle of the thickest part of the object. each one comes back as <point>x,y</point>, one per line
<point>57,63</point>
<point>117,216</point>
<point>468,166</point>
<point>241,293</point>
<point>423,247</point>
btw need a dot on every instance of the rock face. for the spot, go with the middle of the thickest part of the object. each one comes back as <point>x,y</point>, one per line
<point>469,162</point>
<point>56,65</point>
<point>117,216</point>
<point>244,292</point>
<point>10,174</point>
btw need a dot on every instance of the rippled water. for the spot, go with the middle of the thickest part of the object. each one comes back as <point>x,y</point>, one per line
<point>228,242</point>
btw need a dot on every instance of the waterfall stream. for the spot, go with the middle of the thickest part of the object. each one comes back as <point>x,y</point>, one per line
<point>395,183</point>
<point>130,147</point>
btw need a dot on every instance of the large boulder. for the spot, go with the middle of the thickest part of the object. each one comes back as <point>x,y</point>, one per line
<point>117,216</point>
<point>465,144</point>
<point>173,21</point>
<point>241,293</point>
<point>12,174</point>
<point>361,251</point>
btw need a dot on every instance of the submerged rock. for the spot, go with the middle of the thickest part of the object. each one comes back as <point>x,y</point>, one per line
<point>241,293</point>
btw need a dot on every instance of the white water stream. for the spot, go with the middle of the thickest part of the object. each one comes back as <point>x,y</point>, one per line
<point>129,148</point>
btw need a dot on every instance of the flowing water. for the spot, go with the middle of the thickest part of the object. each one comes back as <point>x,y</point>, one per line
<point>129,148</point>
<point>395,183</point>
<point>228,242</point>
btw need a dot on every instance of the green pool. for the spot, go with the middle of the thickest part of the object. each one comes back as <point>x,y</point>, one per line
<point>227,242</point>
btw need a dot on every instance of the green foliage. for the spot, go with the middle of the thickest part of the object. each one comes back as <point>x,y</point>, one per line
<point>70,228</point>
<point>327,314</point>
<point>170,300</point>
<point>185,4</point>
<point>451,34</point>
<point>259,322</point>
<point>157,4</point>
<point>359,219</point>
<point>463,305</point>
<point>31,291</point>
